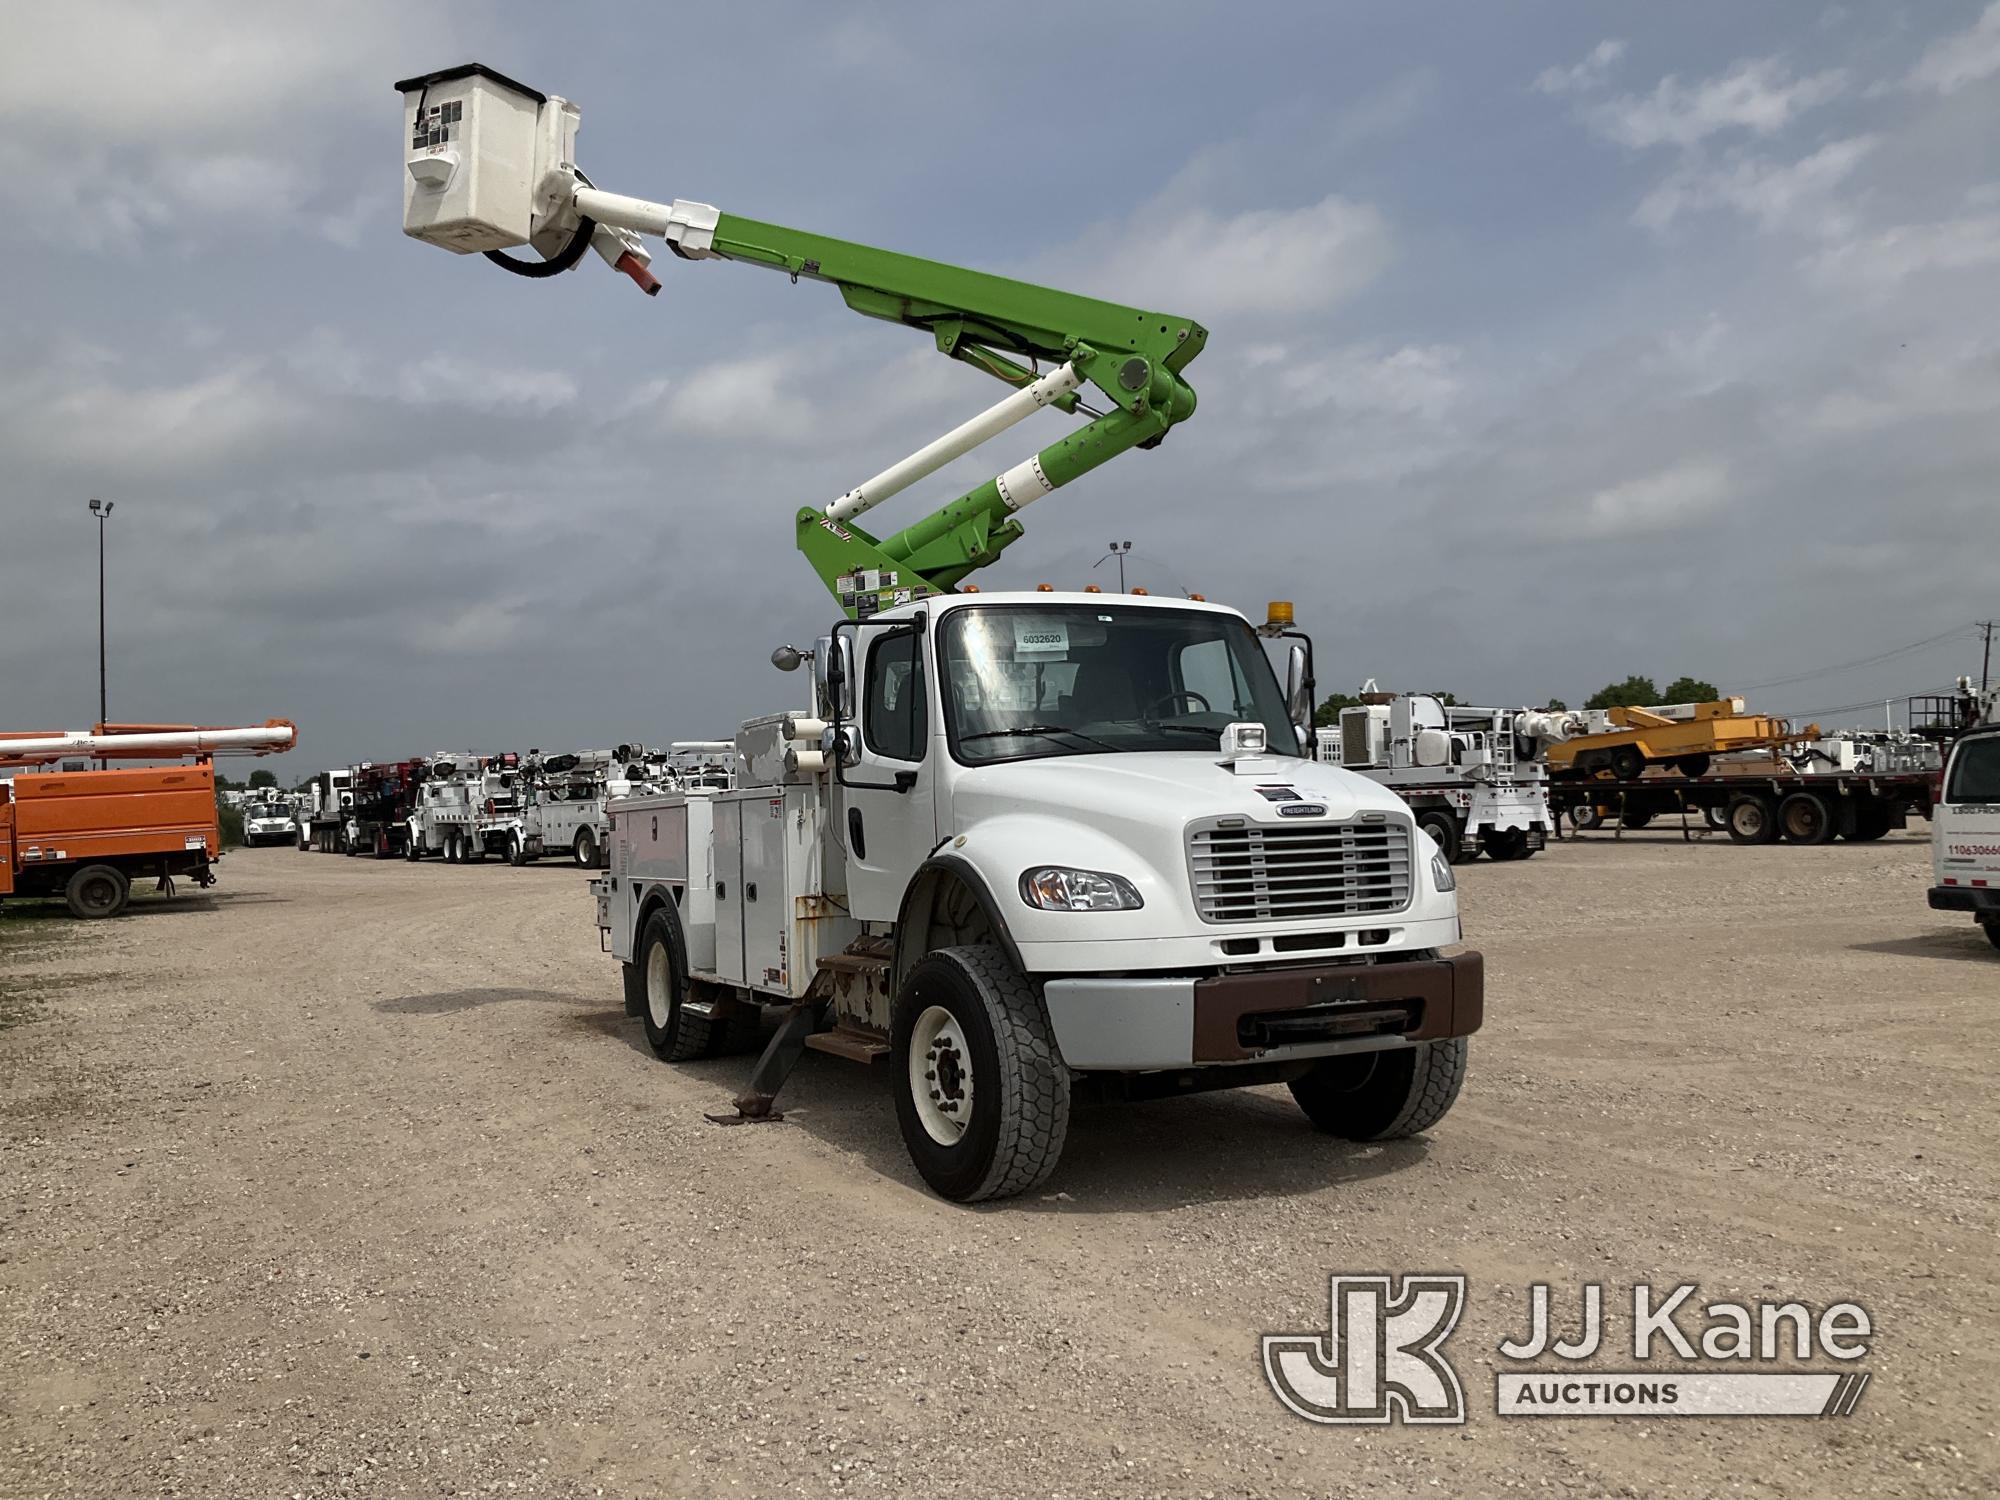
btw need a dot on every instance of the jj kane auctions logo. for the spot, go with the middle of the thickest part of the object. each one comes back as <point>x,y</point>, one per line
<point>1382,1357</point>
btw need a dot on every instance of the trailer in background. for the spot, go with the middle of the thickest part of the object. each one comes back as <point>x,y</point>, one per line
<point>1753,806</point>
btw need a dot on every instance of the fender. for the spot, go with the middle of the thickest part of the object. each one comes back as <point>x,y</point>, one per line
<point>658,899</point>
<point>913,917</point>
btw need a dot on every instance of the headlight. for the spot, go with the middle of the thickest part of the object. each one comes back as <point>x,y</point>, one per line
<point>1059,888</point>
<point>1441,873</point>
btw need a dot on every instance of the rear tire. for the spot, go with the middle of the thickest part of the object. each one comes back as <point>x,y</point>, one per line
<point>1383,1096</point>
<point>1692,765</point>
<point>1506,844</point>
<point>1443,829</point>
<point>1752,820</point>
<point>672,1033</point>
<point>1715,817</point>
<point>1586,816</point>
<point>982,1095</point>
<point>1637,818</point>
<point>1804,818</point>
<point>586,849</point>
<point>97,891</point>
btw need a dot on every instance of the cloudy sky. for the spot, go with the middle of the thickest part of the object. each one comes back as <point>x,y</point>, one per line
<point>1548,343</point>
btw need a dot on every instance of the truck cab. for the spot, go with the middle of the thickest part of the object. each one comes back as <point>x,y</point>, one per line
<point>1965,831</point>
<point>1038,842</point>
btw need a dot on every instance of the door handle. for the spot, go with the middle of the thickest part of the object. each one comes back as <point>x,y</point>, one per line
<point>857,839</point>
<point>750,891</point>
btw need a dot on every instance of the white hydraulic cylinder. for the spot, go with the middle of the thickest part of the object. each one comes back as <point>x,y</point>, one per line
<point>961,440</point>
<point>257,741</point>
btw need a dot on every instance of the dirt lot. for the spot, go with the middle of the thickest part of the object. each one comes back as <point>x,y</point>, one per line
<point>353,1178</point>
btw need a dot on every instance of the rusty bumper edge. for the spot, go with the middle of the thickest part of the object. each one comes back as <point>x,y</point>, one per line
<point>1450,994</point>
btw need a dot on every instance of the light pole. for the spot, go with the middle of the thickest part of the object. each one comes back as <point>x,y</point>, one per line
<point>102,510</point>
<point>1118,550</point>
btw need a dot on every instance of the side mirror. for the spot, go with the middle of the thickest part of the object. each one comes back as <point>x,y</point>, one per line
<point>787,658</point>
<point>839,673</point>
<point>1298,688</point>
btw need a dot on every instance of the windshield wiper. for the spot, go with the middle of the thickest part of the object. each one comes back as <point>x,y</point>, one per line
<point>1037,731</point>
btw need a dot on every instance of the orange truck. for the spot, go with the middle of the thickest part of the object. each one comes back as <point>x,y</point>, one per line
<point>83,834</point>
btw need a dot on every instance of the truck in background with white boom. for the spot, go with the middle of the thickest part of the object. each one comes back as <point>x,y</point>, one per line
<point>1470,775</point>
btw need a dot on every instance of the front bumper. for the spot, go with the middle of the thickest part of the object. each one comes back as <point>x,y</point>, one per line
<point>1142,1022</point>
<point>1982,899</point>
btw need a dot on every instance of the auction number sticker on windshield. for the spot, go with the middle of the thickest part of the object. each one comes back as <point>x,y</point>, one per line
<point>1041,636</point>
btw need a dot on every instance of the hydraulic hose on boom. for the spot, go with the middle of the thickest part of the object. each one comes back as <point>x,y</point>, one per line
<point>491,166</point>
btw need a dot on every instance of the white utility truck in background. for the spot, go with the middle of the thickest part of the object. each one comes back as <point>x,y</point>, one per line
<point>447,807</point>
<point>1019,844</point>
<point>1029,843</point>
<point>555,805</point>
<point>322,816</point>
<point>267,818</point>
<point>1470,775</point>
<point>1965,825</point>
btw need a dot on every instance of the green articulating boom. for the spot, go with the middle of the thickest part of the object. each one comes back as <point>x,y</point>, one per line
<point>1134,357</point>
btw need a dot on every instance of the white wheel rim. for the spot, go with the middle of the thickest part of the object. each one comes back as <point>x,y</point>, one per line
<point>659,997</point>
<point>941,1075</point>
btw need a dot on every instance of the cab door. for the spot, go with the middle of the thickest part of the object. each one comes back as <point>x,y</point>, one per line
<point>887,813</point>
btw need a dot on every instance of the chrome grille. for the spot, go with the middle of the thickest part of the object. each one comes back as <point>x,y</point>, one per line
<point>1265,873</point>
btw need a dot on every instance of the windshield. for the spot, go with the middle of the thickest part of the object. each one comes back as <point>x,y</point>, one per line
<point>1975,771</point>
<point>1085,679</point>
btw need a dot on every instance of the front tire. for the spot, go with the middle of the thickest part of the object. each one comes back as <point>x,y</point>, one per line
<point>1383,1096</point>
<point>1992,930</point>
<point>97,891</point>
<point>982,1095</point>
<point>517,850</point>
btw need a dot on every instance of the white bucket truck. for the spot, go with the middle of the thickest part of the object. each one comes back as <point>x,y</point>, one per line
<point>1028,843</point>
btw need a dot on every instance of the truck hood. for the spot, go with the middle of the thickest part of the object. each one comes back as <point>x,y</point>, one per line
<point>1124,793</point>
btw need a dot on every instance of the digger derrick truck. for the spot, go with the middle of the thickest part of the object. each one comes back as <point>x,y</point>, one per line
<point>1017,846</point>
<point>85,835</point>
<point>1470,775</point>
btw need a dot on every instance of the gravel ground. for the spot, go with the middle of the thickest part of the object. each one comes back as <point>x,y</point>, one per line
<point>352,1178</point>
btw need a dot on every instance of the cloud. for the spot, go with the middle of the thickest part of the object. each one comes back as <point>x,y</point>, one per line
<point>1583,76</point>
<point>1415,380</point>
<point>1178,255</point>
<point>1791,196</point>
<point>1759,96</point>
<point>1883,260</point>
<point>1949,65</point>
<point>124,121</point>
<point>1653,503</point>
